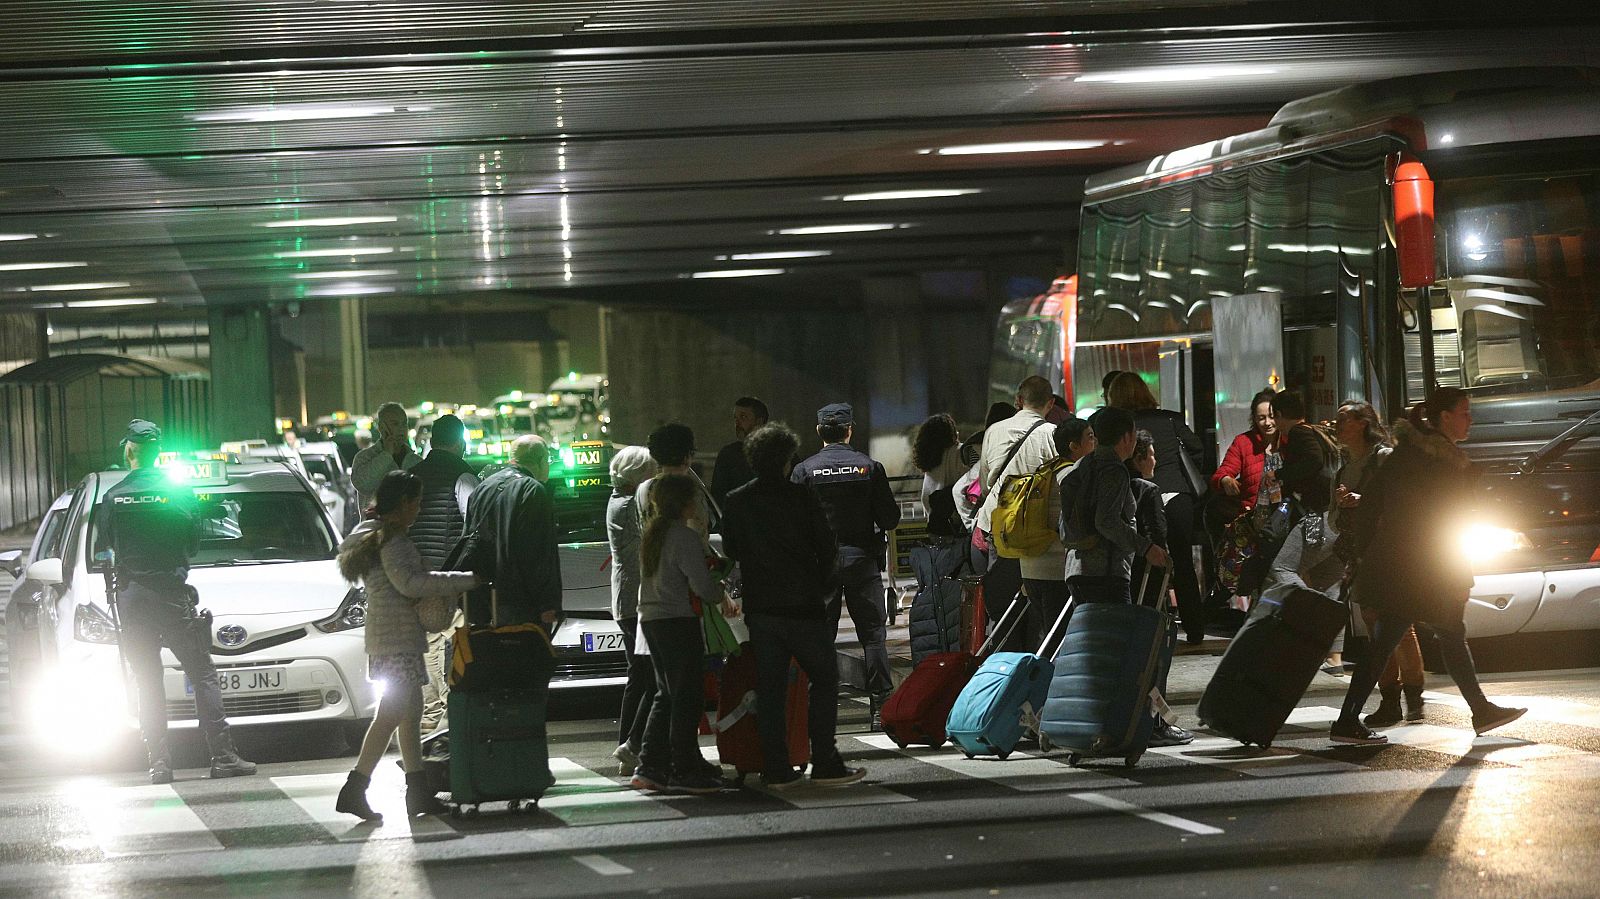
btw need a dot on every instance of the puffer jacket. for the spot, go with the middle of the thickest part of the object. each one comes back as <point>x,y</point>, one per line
<point>393,589</point>
<point>1411,562</point>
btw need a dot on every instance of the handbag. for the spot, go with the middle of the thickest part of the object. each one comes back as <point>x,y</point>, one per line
<point>437,613</point>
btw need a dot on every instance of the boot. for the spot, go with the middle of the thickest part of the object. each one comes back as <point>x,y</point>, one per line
<point>420,796</point>
<point>1388,712</point>
<point>160,762</point>
<point>353,798</point>
<point>225,760</point>
<point>1413,702</point>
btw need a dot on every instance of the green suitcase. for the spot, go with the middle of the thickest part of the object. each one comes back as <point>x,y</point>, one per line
<point>498,750</point>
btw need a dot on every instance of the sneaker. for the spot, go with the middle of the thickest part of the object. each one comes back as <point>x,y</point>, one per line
<point>161,771</point>
<point>649,781</point>
<point>1170,735</point>
<point>231,765</point>
<point>1490,716</point>
<point>698,782</point>
<point>787,780</point>
<point>1354,733</point>
<point>837,776</point>
<point>627,760</point>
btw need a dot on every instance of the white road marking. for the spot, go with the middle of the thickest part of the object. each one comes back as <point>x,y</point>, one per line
<point>1183,824</point>
<point>316,794</point>
<point>1556,711</point>
<point>1462,742</point>
<point>599,864</point>
<point>1021,771</point>
<point>581,797</point>
<point>1222,752</point>
<point>807,795</point>
<point>126,821</point>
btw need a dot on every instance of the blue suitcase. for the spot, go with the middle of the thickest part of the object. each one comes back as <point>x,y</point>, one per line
<point>1003,700</point>
<point>1098,704</point>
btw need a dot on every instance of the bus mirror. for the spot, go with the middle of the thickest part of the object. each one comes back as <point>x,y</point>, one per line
<point>1413,224</point>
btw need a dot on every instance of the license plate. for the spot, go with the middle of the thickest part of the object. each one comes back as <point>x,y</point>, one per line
<point>603,642</point>
<point>250,680</point>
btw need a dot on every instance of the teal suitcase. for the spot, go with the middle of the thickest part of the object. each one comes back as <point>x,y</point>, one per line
<point>498,749</point>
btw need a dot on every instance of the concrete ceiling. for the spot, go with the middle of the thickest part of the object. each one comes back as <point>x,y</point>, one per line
<point>186,149</point>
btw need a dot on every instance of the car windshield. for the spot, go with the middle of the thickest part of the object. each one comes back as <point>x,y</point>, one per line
<point>557,413</point>
<point>581,516</point>
<point>256,527</point>
<point>318,465</point>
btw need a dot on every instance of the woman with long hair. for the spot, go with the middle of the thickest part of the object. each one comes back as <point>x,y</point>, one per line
<point>1174,443</point>
<point>673,574</point>
<point>380,556</point>
<point>1412,568</point>
<point>935,452</point>
<point>630,467</point>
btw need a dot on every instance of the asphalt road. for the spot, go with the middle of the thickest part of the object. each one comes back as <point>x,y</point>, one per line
<point>1438,813</point>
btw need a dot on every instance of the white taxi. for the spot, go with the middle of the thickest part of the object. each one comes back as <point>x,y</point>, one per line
<point>286,634</point>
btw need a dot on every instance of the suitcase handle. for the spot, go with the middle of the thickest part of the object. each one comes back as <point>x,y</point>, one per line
<point>1018,603</point>
<point>1050,635</point>
<point>1144,582</point>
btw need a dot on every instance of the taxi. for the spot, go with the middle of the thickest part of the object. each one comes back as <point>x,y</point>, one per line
<point>588,643</point>
<point>287,630</point>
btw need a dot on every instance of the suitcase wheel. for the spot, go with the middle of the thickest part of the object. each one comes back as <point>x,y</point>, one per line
<point>1002,756</point>
<point>1073,759</point>
<point>1044,743</point>
<point>966,753</point>
<point>1131,760</point>
<point>528,806</point>
<point>936,745</point>
<point>900,743</point>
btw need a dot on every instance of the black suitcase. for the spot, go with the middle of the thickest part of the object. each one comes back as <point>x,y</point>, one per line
<point>1269,665</point>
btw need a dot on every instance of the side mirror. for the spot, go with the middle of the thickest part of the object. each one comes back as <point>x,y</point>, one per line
<point>45,571</point>
<point>11,562</point>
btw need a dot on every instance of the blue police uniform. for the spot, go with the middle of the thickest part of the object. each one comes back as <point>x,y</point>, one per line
<point>861,508</point>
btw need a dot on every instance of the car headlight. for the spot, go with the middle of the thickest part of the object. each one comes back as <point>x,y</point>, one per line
<point>91,625</point>
<point>351,614</point>
<point>1485,543</point>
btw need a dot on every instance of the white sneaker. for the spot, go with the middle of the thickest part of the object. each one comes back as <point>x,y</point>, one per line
<point>627,760</point>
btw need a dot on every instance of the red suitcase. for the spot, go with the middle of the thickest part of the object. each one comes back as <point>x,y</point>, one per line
<point>738,741</point>
<point>917,710</point>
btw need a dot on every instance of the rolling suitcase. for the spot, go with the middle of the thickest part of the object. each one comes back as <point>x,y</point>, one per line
<point>1106,677</point>
<point>1269,665</point>
<point>499,689</point>
<point>1003,700</point>
<point>936,609</point>
<point>738,738</point>
<point>917,710</point>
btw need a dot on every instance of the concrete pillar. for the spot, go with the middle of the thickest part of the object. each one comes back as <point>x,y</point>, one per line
<point>241,372</point>
<point>353,355</point>
<point>897,368</point>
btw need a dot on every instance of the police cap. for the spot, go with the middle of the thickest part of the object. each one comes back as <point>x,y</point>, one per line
<point>141,431</point>
<point>836,414</point>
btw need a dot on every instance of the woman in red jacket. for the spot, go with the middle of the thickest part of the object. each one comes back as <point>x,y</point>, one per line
<point>1239,475</point>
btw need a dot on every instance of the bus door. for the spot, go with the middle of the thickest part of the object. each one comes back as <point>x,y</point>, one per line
<point>1247,357</point>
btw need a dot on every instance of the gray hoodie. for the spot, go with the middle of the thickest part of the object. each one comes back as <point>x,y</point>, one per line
<point>1112,539</point>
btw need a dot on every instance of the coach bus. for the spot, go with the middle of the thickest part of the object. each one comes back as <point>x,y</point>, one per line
<point>1441,228</point>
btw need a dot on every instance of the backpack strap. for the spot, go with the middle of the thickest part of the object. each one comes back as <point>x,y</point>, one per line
<point>1011,454</point>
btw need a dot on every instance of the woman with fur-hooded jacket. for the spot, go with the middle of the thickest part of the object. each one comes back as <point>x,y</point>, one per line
<point>1412,568</point>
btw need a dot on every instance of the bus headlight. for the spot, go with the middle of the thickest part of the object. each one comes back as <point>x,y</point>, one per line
<point>1486,543</point>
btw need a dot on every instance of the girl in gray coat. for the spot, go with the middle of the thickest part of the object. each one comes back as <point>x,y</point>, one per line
<point>380,555</point>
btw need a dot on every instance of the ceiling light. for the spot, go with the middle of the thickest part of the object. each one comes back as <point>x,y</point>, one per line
<point>739,273</point>
<point>348,273</point>
<point>38,266</point>
<point>18,236</point>
<point>83,285</point>
<point>345,251</point>
<point>104,304</point>
<point>930,194</point>
<point>836,229</point>
<point>1168,74</point>
<point>329,222</point>
<point>1021,146</point>
<point>776,254</point>
<point>303,113</point>
<point>347,290</point>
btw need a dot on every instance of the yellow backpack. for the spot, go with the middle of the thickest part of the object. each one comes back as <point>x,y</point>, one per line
<point>1021,523</point>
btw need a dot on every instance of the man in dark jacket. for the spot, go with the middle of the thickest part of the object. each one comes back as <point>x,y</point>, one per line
<point>514,520</point>
<point>1309,458</point>
<point>732,469</point>
<point>778,533</point>
<point>1099,522</point>
<point>447,481</point>
<point>861,508</point>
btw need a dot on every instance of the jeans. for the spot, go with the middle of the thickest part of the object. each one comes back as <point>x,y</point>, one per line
<point>861,586</point>
<point>1387,635</point>
<point>1404,667</point>
<point>775,640</point>
<point>1087,589</point>
<point>639,694</point>
<point>671,735</point>
<point>1048,599</point>
<point>152,618</point>
<point>1181,515</point>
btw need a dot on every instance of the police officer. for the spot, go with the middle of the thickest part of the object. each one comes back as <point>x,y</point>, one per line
<point>152,530</point>
<point>860,505</point>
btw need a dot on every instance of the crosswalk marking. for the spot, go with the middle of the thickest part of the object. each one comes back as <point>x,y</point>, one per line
<point>581,797</point>
<point>316,794</point>
<point>138,819</point>
<point>1020,771</point>
<point>1556,711</point>
<point>806,795</point>
<point>1224,752</point>
<point>601,865</point>
<point>1461,742</point>
<point>1183,824</point>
